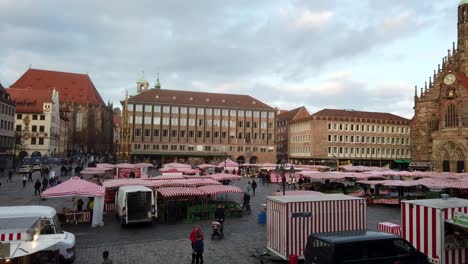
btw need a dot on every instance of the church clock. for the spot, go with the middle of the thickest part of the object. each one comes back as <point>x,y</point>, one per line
<point>449,79</point>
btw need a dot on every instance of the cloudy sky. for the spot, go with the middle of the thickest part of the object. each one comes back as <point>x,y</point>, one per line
<point>364,55</point>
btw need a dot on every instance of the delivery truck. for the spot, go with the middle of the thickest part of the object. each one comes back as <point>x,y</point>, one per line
<point>25,230</point>
<point>437,228</point>
<point>292,218</point>
<point>135,204</point>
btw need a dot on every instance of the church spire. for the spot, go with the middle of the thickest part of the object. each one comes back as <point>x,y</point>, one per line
<point>158,83</point>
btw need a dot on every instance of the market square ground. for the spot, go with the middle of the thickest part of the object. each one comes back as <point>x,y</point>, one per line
<point>164,243</point>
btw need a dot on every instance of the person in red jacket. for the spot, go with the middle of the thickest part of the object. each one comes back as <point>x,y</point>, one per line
<point>196,232</point>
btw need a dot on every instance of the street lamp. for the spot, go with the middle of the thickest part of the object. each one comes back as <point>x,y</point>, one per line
<point>281,170</point>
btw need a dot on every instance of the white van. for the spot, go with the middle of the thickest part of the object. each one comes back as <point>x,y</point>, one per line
<point>50,228</point>
<point>135,204</point>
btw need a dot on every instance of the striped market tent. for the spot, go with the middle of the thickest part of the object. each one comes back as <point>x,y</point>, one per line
<point>179,192</point>
<point>115,184</point>
<point>224,177</point>
<point>184,183</point>
<point>217,189</point>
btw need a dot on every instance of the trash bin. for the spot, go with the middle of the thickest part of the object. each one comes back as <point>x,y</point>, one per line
<point>262,218</point>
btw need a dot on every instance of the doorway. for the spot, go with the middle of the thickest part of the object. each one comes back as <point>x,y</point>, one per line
<point>446,166</point>
<point>460,166</point>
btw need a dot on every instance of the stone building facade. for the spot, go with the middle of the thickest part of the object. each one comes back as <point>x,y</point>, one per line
<point>90,119</point>
<point>37,122</point>
<point>7,135</point>
<point>439,128</point>
<point>162,125</point>
<point>334,136</point>
<point>283,118</point>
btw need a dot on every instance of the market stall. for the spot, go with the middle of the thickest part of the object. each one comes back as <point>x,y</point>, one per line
<point>124,170</point>
<point>184,183</point>
<point>229,165</point>
<point>112,186</point>
<point>173,202</point>
<point>76,187</point>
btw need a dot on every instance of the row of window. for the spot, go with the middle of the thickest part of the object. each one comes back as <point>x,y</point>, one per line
<point>368,151</point>
<point>198,111</point>
<point>6,142</point>
<point>196,122</point>
<point>368,140</point>
<point>34,117</point>
<point>7,109</point>
<point>300,151</point>
<point>33,128</point>
<point>138,132</point>
<point>214,148</point>
<point>4,124</point>
<point>302,138</point>
<point>37,141</point>
<point>300,127</point>
<point>369,128</point>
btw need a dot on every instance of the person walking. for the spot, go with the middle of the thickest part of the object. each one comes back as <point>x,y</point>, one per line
<point>30,179</point>
<point>248,187</point>
<point>105,257</point>
<point>24,180</point>
<point>196,232</point>
<point>10,176</point>
<point>37,187</point>
<point>45,183</point>
<point>198,249</point>
<point>254,186</point>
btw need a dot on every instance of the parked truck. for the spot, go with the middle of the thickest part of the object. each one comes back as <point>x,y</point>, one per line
<point>438,228</point>
<point>135,204</point>
<point>292,218</point>
<point>25,230</point>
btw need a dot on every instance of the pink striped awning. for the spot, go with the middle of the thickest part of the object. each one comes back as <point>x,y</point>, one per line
<point>297,192</point>
<point>179,192</point>
<point>115,184</point>
<point>224,177</point>
<point>74,187</point>
<point>168,177</point>
<point>217,189</point>
<point>184,183</point>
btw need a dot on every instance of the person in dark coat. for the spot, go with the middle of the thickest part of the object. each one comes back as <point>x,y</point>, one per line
<point>198,248</point>
<point>254,186</point>
<point>30,179</point>
<point>132,175</point>
<point>10,176</point>
<point>37,187</point>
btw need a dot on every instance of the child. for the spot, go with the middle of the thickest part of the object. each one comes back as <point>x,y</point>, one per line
<point>198,248</point>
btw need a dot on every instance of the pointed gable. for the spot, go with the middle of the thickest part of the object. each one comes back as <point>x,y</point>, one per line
<point>72,87</point>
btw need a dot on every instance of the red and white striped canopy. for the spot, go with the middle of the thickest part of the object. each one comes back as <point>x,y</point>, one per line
<point>114,184</point>
<point>184,183</point>
<point>224,177</point>
<point>179,192</point>
<point>217,189</point>
<point>206,166</point>
<point>169,176</point>
<point>105,165</point>
<point>74,187</point>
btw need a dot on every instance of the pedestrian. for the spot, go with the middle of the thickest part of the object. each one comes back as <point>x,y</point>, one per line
<point>106,259</point>
<point>196,232</point>
<point>248,187</point>
<point>10,176</point>
<point>30,179</point>
<point>79,205</point>
<point>198,248</point>
<point>45,182</point>
<point>37,187</point>
<point>263,178</point>
<point>132,175</point>
<point>24,180</point>
<point>254,186</point>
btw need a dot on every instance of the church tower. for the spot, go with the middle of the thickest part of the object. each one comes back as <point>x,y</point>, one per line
<point>142,84</point>
<point>463,35</point>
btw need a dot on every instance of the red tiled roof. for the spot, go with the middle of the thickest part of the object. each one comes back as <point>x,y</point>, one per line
<point>29,100</point>
<point>359,114</point>
<point>72,87</point>
<point>189,98</point>
<point>462,77</point>
<point>289,115</point>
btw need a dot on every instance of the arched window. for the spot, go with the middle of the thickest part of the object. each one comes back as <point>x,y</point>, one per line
<point>434,123</point>
<point>451,117</point>
<point>79,121</point>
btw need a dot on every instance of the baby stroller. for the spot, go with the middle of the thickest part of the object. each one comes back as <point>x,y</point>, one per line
<point>217,227</point>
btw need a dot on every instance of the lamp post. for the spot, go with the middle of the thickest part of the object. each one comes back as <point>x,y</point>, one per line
<point>281,170</point>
